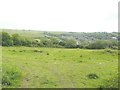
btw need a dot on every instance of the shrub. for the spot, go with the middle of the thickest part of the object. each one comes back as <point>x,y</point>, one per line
<point>99,44</point>
<point>6,39</point>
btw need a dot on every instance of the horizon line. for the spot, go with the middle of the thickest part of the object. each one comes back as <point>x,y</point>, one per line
<point>53,30</point>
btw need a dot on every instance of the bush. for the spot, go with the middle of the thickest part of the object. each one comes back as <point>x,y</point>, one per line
<point>99,44</point>
<point>16,40</point>
<point>6,39</point>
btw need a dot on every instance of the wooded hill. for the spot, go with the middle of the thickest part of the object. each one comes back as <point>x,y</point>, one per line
<point>89,40</point>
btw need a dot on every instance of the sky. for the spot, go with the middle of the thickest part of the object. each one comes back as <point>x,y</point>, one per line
<point>60,15</point>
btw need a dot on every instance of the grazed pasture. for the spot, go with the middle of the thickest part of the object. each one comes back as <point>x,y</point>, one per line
<point>35,67</point>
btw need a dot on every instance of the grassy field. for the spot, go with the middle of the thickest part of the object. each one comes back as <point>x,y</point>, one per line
<point>0,68</point>
<point>35,67</point>
<point>31,33</point>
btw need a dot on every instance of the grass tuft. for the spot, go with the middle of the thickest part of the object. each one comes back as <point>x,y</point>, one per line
<point>92,76</point>
<point>11,77</point>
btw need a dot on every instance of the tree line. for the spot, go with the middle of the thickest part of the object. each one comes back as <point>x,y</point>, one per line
<point>17,40</point>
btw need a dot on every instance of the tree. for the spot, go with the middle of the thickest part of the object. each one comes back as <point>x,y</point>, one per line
<point>47,42</point>
<point>71,43</point>
<point>16,39</point>
<point>62,43</point>
<point>100,44</point>
<point>6,39</point>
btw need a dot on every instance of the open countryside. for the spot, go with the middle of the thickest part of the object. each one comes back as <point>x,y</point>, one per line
<point>34,59</point>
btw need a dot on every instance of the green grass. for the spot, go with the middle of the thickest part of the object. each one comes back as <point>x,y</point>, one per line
<point>59,68</point>
<point>24,33</point>
<point>0,68</point>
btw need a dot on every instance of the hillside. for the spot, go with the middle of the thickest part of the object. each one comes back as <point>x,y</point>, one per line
<point>77,35</point>
<point>67,39</point>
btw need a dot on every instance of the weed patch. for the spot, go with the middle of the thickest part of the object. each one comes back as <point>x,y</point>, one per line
<point>81,56</point>
<point>92,76</point>
<point>110,83</point>
<point>13,50</point>
<point>108,50</point>
<point>22,51</point>
<point>38,51</point>
<point>48,54</point>
<point>11,77</point>
<point>80,61</point>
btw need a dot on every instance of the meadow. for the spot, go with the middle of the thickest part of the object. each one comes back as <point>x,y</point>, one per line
<point>36,67</point>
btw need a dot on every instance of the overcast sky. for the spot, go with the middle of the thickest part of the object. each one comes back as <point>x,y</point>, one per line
<point>60,15</point>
